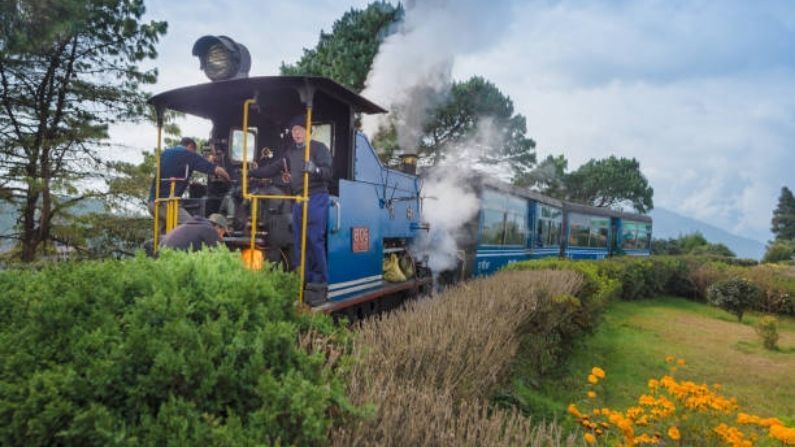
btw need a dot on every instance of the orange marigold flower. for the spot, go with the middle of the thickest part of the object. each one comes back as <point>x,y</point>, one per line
<point>572,409</point>
<point>598,372</point>
<point>592,379</point>
<point>674,434</point>
<point>590,438</point>
<point>680,362</point>
<point>669,359</point>
<point>653,384</point>
<point>592,394</point>
<point>783,434</point>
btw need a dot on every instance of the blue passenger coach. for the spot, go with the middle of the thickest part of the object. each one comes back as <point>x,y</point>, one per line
<point>515,224</point>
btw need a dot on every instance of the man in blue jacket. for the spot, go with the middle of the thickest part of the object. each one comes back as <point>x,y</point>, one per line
<point>320,175</point>
<point>180,162</point>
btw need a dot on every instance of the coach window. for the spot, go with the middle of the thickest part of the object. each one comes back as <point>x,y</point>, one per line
<point>493,227</point>
<point>644,235</point>
<point>599,231</point>
<point>579,229</point>
<point>629,235</point>
<point>515,220</point>
<point>550,221</point>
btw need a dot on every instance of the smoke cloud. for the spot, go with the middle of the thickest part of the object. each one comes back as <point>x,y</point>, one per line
<point>413,69</point>
<point>448,204</point>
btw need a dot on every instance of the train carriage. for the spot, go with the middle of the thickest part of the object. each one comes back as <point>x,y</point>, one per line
<point>634,234</point>
<point>515,224</point>
<point>590,232</point>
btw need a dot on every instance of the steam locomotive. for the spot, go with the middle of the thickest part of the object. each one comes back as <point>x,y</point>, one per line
<point>375,213</point>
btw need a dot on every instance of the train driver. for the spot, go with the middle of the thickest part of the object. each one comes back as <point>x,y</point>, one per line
<point>320,175</point>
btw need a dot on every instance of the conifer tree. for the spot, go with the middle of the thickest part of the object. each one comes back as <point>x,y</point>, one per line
<point>784,216</point>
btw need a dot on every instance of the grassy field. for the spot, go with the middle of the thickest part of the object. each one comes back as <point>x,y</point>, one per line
<point>635,337</point>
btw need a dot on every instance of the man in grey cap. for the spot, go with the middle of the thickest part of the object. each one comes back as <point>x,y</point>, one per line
<point>196,233</point>
<point>319,168</point>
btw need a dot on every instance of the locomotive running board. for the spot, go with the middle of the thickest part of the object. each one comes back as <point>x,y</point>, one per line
<point>336,306</point>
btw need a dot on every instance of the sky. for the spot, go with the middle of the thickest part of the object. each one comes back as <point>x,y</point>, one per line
<point>702,93</point>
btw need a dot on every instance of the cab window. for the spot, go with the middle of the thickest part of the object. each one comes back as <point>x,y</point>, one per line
<point>236,148</point>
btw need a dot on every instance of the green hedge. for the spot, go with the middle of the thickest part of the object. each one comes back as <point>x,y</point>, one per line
<point>687,276</point>
<point>557,323</point>
<point>183,350</point>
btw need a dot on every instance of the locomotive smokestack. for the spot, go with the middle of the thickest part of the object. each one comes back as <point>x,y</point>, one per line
<point>408,163</point>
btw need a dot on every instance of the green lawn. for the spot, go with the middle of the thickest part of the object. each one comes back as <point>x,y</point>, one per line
<point>634,338</point>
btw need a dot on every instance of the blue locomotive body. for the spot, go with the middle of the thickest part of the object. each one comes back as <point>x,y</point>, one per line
<point>375,213</point>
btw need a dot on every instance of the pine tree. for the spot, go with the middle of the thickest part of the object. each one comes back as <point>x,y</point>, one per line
<point>784,216</point>
<point>68,69</point>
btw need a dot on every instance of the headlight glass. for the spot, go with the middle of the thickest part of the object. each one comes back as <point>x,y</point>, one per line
<point>219,63</point>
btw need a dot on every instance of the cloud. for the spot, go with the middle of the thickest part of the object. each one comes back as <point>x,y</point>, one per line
<point>699,92</point>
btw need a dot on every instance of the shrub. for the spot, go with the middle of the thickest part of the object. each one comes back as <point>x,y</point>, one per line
<point>780,251</point>
<point>767,329</point>
<point>189,349</point>
<point>431,367</point>
<point>735,295</point>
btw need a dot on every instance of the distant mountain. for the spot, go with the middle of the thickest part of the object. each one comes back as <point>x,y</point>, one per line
<point>668,224</point>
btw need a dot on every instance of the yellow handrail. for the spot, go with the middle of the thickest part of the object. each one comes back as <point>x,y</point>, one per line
<point>156,237</point>
<point>172,207</point>
<point>304,198</point>
<point>305,205</point>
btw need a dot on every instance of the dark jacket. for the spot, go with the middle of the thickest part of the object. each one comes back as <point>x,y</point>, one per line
<point>294,156</point>
<point>192,235</point>
<point>178,162</point>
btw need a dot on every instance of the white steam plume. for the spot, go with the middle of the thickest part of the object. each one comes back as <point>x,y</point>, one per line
<point>412,71</point>
<point>447,206</point>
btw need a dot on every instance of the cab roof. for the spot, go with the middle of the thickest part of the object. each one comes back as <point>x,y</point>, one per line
<point>212,99</point>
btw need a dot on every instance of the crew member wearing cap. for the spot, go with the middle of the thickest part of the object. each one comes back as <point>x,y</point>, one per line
<point>320,173</point>
<point>180,162</point>
<point>197,232</point>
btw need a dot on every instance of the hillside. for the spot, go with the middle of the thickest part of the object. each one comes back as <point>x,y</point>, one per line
<point>668,224</point>
<point>635,337</point>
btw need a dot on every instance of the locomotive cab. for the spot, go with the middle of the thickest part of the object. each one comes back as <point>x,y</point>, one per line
<point>374,211</point>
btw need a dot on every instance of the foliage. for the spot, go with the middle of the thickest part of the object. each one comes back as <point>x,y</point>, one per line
<point>548,176</point>
<point>68,69</point>
<point>767,329</point>
<point>735,295</point>
<point>779,251</point>
<point>478,121</point>
<point>346,54</point>
<point>679,412</point>
<point>431,367</point>
<point>690,244</point>
<point>189,349</point>
<point>606,182</point>
<point>552,334</point>
<point>783,223</point>
<point>610,181</point>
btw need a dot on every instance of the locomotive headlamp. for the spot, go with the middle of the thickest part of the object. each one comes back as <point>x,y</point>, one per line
<point>222,58</point>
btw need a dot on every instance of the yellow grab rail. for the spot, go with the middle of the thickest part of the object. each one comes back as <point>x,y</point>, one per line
<point>304,198</point>
<point>156,237</point>
<point>305,205</point>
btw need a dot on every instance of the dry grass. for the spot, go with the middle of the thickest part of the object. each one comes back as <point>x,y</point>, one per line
<point>430,368</point>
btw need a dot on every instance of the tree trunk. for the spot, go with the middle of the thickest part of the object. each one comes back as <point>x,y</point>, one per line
<point>29,240</point>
